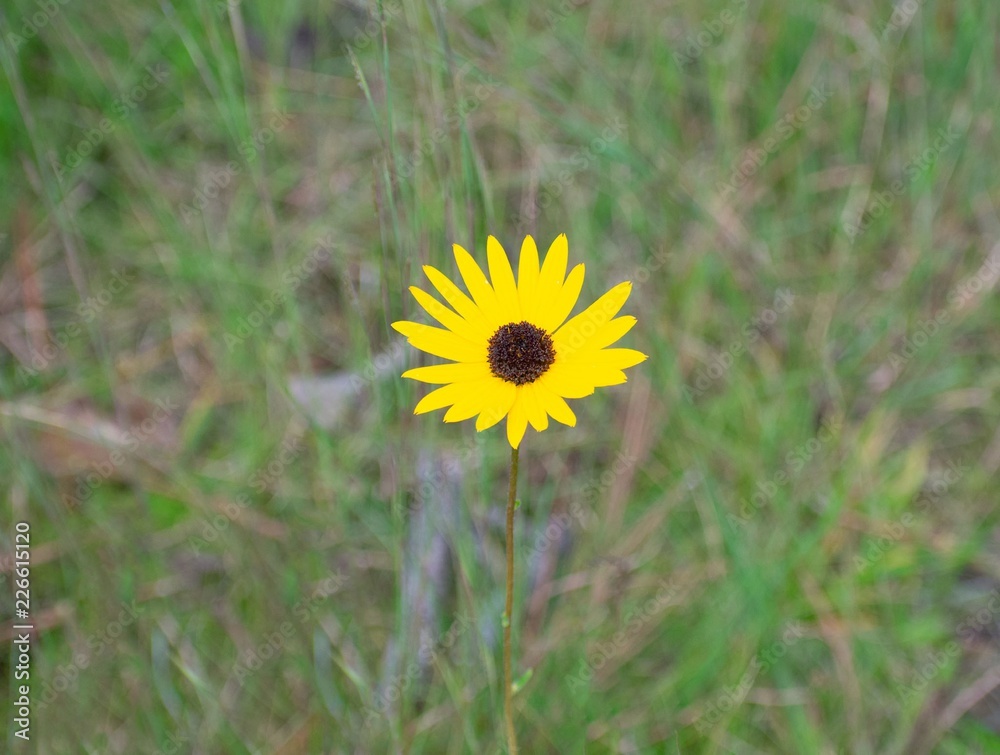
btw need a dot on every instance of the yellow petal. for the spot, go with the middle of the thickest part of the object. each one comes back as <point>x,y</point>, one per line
<point>622,358</point>
<point>604,376</point>
<point>586,324</point>
<point>496,404</point>
<point>456,372</point>
<point>527,277</point>
<point>502,278</point>
<point>482,292</point>
<point>615,359</point>
<point>554,404</point>
<point>594,368</point>
<point>570,342</point>
<point>566,382</point>
<point>484,393</point>
<point>571,382</point>
<point>442,397</point>
<point>554,313</point>
<point>533,408</point>
<point>441,343</point>
<point>465,409</point>
<point>453,322</point>
<point>455,297</point>
<point>517,420</point>
<point>553,271</point>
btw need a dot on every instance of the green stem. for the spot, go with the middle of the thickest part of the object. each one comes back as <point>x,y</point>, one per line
<point>508,704</point>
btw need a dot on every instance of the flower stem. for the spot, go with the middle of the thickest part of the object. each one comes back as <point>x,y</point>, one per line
<point>508,704</point>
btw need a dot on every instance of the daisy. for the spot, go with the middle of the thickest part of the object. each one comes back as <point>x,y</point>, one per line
<point>514,352</point>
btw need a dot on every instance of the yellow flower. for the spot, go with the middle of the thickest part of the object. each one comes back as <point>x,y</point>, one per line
<point>513,352</point>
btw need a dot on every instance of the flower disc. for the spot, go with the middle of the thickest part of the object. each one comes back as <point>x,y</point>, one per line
<point>520,352</point>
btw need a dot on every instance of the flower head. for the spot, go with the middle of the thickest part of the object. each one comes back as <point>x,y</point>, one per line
<point>514,354</point>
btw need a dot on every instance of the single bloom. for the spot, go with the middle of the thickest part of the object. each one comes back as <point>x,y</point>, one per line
<point>514,354</point>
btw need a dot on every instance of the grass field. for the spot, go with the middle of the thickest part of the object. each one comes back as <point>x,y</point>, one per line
<point>780,536</point>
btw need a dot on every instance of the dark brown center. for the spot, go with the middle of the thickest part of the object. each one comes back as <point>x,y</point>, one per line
<point>520,352</point>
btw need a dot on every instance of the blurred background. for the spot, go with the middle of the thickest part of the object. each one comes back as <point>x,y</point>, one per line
<point>780,536</point>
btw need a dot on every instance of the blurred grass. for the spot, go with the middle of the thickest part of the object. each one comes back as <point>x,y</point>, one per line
<point>442,124</point>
